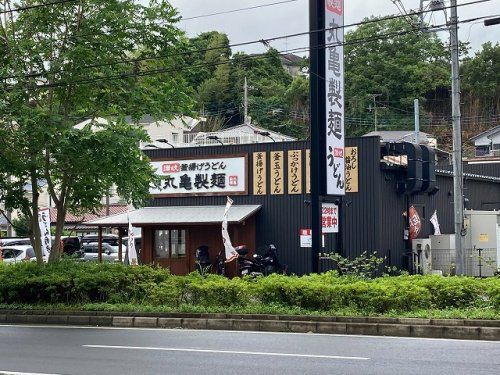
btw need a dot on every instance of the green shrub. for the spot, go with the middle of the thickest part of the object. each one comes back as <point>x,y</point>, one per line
<point>113,285</point>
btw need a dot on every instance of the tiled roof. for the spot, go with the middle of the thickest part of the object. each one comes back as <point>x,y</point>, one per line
<point>114,209</point>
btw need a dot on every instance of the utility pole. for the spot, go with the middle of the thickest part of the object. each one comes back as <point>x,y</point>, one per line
<point>458,197</point>
<point>245,101</point>
<point>417,122</point>
<point>375,96</point>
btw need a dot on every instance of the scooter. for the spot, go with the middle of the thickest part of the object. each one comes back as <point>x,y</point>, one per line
<point>258,265</point>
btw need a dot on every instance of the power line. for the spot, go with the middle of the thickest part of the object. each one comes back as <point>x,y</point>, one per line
<point>241,44</point>
<point>165,70</point>
<point>238,10</point>
<point>36,6</point>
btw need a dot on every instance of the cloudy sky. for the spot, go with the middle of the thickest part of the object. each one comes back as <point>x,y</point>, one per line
<point>292,17</point>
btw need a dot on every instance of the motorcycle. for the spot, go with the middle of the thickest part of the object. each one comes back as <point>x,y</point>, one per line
<point>259,265</point>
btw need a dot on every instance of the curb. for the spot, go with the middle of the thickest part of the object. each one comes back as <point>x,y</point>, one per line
<point>398,327</point>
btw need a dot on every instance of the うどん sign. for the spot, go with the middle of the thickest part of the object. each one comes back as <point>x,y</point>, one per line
<point>210,176</point>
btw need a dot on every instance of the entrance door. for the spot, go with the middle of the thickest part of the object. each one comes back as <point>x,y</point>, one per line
<point>170,250</point>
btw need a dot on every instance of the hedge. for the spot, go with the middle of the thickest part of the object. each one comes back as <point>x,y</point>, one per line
<point>80,283</point>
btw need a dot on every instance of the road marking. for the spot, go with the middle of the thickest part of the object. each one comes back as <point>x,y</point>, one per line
<point>225,352</point>
<point>21,373</point>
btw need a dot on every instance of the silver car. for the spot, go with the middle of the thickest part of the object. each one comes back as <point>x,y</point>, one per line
<point>91,252</point>
<point>20,253</point>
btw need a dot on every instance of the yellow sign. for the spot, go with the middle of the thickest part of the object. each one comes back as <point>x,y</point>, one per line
<point>483,237</point>
<point>351,170</point>
<point>277,183</point>
<point>259,173</point>
<point>295,172</point>
<point>308,171</point>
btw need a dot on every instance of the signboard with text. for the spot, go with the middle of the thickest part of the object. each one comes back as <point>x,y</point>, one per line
<point>334,84</point>
<point>306,238</point>
<point>213,176</point>
<point>351,170</point>
<point>330,218</point>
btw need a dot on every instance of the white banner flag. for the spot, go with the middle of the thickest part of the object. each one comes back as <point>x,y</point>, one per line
<point>334,82</point>
<point>231,253</point>
<point>132,252</point>
<point>435,223</point>
<point>44,224</point>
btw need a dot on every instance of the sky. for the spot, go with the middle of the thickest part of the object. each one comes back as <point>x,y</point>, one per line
<point>292,17</point>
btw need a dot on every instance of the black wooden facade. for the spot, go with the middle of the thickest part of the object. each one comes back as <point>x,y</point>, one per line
<point>371,220</point>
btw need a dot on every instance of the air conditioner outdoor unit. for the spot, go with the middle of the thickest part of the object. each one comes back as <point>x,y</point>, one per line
<point>422,255</point>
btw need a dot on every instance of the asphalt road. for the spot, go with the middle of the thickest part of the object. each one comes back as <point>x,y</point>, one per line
<point>74,351</point>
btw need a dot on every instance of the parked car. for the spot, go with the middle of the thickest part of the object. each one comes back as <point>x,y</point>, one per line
<point>109,242</point>
<point>91,252</point>
<point>14,241</point>
<point>20,253</point>
<point>72,247</point>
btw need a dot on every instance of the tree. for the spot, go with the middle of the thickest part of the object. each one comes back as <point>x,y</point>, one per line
<point>481,77</point>
<point>88,59</point>
<point>391,58</point>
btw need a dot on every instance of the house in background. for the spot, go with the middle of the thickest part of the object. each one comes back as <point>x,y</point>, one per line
<point>293,64</point>
<point>391,136</point>
<point>186,132</point>
<point>487,144</point>
<point>73,222</point>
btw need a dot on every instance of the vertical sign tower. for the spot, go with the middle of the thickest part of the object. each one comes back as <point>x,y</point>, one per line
<point>334,91</point>
<point>327,110</point>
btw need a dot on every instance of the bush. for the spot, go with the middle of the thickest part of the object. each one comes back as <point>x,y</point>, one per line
<point>77,284</point>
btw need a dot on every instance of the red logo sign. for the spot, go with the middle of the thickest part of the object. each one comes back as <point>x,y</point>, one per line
<point>335,6</point>
<point>233,180</point>
<point>338,152</point>
<point>171,168</point>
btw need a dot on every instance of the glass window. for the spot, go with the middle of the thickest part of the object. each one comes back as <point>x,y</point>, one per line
<point>175,138</point>
<point>178,243</point>
<point>9,254</point>
<point>162,243</point>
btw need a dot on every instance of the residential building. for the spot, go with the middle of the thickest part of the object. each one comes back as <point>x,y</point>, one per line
<point>404,136</point>
<point>487,144</point>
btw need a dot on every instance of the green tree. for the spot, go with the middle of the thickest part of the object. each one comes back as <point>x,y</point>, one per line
<point>481,78</point>
<point>63,63</point>
<point>22,226</point>
<point>399,62</point>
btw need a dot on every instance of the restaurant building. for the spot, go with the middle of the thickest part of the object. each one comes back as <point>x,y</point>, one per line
<point>270,186</point>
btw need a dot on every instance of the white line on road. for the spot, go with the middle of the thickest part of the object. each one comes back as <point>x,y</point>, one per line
<point>225,352</point>
<point>21,373</point>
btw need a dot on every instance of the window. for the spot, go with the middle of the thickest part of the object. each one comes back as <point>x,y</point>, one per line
<point>178,243</point>
<point>482,150</point>
<point>170,244</point>
<point>175,138</point>
<point>162,244</point>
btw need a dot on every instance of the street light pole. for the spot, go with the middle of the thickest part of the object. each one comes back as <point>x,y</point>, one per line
<point>457,142</point>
